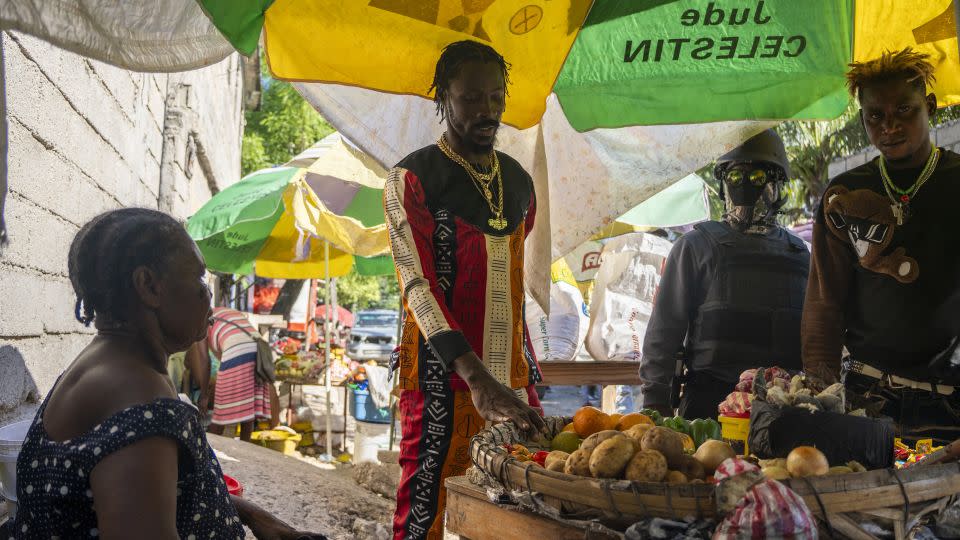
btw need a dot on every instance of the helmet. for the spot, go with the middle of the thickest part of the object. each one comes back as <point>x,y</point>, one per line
<point>764,146</point>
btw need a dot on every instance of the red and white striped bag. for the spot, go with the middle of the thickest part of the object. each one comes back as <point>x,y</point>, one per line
<point>758,507</point>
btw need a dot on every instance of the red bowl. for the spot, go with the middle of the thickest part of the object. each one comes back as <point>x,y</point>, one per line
<point>233,486</point>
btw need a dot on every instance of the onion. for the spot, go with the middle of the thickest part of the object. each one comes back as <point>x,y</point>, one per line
<point>807,461</point>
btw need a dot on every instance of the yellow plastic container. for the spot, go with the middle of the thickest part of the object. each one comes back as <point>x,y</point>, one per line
<point>279,440</point>
<point>735,431</point>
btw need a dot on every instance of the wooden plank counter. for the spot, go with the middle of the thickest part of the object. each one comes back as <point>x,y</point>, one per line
<point>606,374</point>
<point>473,517</point>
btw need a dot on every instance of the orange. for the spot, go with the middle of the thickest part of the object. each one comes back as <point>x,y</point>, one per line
<point>613,420</point>
<point>632,419</point>
<point>589,420</point>
<point>568,427</point>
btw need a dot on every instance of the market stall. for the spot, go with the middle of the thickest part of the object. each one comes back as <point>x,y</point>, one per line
<point>319,216</point>
<point>784,458</point>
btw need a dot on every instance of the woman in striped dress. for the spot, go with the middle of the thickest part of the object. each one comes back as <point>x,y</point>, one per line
<point>239,397</point>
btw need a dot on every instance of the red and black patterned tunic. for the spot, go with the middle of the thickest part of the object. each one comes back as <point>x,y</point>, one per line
<point>462,286</point>
<point>462,280</point>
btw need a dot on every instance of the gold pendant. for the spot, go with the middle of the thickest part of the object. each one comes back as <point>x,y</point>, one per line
<point>498,223</point>
<point>897,212</point>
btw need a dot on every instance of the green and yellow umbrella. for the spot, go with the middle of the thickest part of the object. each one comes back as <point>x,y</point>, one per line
<point>275,222</point>
<point>611,63</point>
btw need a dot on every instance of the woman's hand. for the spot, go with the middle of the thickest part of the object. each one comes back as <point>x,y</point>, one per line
<point>266,526</point>
<point>494,401</point>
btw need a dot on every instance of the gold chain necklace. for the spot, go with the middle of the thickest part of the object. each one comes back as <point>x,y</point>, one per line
<point>901,204</point>
<point>481,181</point>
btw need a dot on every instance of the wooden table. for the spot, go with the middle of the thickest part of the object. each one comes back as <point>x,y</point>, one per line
<point>606,374</point>
<point>472,516</point>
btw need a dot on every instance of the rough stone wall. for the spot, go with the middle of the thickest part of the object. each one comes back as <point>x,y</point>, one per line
<point>86,137</point>
<point>945,136</point>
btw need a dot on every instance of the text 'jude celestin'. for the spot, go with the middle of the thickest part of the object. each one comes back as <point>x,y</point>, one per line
<point>724,48</point>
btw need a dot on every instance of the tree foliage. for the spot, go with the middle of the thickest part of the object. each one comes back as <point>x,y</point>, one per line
<point>284,126</point>
<point>356,292</point>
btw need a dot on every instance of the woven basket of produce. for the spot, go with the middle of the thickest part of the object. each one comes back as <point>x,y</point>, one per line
<point>621,470</point>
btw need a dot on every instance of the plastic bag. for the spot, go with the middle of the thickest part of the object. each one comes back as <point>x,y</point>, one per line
<point>775,431</point>
<point>559,336</point>
<point>757,507</point>
<point>623,294</point>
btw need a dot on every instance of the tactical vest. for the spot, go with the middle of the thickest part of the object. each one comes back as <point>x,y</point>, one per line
<point>751,314</point>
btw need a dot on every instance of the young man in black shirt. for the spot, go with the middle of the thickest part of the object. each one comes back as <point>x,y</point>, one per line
<point>886,259</point>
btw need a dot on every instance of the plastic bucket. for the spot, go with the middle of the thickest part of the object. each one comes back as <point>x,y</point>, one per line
<point>736,431</point>
<point>363,409</point>
<point>11,440</point>
<point>367,441</point>
<point>234,487</point>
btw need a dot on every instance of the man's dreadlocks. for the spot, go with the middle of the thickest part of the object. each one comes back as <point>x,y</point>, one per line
<point>452,58</point>
<point>906,64</point>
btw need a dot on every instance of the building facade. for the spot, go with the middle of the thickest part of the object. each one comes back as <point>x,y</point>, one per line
<point>85,137</point>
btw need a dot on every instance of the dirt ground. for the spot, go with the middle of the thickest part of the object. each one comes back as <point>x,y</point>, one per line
<point>324,499</point>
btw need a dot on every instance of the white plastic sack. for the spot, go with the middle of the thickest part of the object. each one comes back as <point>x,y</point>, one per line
<point>623,293</point>
<point>560,336</point>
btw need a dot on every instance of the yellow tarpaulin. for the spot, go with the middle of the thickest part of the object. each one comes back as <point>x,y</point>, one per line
<point>926,25</point>
<point>392,45</point>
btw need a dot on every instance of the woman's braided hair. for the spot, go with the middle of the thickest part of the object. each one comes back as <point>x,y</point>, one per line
<point>452,58</point>
<point>106,251</point>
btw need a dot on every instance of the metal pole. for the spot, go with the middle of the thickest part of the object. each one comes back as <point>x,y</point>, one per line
<point>326,351</point>
<point>393,379</point>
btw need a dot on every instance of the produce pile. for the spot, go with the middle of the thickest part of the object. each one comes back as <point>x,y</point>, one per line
<point>775,386</point>
<point>632,447</point>
<point>643,447</point>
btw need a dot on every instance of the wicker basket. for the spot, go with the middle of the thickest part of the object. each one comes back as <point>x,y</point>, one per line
<point>894,495</point>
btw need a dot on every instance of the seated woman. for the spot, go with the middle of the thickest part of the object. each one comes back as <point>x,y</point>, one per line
<point>112,451</point>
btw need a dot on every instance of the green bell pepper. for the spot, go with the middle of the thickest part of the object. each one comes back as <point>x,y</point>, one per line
<point>702,430</point>
<point>654,415</point>
<point>678,424</point>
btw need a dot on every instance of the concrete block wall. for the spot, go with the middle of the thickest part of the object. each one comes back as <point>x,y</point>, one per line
<point>86,137</point>
<point>945,136</point>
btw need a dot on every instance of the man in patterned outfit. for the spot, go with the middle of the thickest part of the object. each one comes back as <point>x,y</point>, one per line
<point>458,213</point>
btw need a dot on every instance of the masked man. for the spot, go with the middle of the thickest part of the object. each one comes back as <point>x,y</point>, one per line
<point>732,291</point>
<point>458,213</point>
<point>886,260</point>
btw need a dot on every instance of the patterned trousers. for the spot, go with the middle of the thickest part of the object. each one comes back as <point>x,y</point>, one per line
<point>437,424</point>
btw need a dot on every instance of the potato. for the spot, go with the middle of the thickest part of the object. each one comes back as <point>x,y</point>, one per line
<point>839,469</point>
<point>776,462</point>
<point>676,477</point>
<point>636,432</point>
<point>666,442</point>
<point>557,465</point>
<point>691,468</point>
<point>712,453</point>
<point>578,463</point>
<point>647,466</point>
<point>556,455</point>
<point>775,472</point>
<point>611,456</point>
<point>591,442</point>
<point>855,466</point>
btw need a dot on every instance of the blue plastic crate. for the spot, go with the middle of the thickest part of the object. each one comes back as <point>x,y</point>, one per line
<point>363,409</point>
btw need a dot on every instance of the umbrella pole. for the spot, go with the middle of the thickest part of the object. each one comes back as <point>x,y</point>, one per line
<point>326,352</point>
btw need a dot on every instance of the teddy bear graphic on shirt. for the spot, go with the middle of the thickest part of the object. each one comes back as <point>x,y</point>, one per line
<point>865,218</point>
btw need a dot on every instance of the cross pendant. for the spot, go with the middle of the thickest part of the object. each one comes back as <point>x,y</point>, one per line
<point>897,213</point>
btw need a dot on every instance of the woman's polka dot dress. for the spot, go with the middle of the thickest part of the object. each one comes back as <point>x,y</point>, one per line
<point>53,478</point>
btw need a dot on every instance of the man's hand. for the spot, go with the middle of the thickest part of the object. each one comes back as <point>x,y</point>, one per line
<point>495,401</point>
